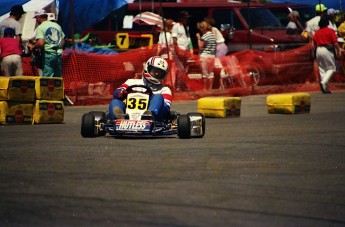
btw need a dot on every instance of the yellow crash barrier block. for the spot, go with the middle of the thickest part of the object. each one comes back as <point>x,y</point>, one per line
<point>48,111</point>
<point>220,106</point>
<point>49,88</point>
<point>17,88</point>
<point>289,103</point>
<point>16,113</point>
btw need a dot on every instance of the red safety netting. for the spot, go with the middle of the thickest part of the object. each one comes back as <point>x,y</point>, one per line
<point>92,78</point>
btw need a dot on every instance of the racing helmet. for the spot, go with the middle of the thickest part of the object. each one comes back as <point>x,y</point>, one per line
<point>155,70</point>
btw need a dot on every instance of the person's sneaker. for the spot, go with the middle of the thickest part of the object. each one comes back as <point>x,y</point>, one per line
<point>118,113</point>
<point>324,89</point>
<point>147,115</point>
<point>327,91</point>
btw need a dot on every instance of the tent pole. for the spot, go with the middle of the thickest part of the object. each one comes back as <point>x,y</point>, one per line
<point>72,22</point>
<point>163,29</point>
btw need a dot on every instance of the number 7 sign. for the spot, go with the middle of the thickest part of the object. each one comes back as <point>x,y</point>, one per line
<point>122,40</point>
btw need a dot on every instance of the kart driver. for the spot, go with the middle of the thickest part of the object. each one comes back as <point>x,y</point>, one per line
<point>155,70</point>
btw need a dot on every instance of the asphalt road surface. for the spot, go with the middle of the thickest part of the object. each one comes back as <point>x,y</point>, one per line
<point>256,170</point>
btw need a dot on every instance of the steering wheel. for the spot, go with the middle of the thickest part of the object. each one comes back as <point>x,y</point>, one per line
<point>147,89</point>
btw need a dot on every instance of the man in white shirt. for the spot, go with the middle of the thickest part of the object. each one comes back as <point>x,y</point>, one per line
<point>311,27</point>
<point>313,24</point>
<point>13,22</point>
<point>180,32</point>
<point>182,44</point>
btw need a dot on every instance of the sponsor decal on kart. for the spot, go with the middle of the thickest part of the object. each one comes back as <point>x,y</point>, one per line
<point>138,125</point>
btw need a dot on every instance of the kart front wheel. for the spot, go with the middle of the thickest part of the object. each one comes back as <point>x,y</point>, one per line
<point>183,127</point>
<point>100,117</point>
<point>88,125</point>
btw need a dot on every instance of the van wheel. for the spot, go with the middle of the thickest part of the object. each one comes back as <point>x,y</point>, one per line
<point>253,74</point>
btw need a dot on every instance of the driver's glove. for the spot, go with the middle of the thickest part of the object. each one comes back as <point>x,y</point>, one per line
<point>122,95</point>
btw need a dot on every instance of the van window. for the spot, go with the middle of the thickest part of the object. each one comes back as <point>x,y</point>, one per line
<point>227,17</point>
<point>305,13</point>
<point>260,18</point>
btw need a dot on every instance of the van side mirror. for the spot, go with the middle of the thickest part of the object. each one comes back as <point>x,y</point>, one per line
<point>228,30</point>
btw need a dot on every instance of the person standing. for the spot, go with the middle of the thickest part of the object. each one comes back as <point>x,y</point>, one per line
<point>36,55</point>
<point>312,25</point>
<point>221,48</point>
<point>50,39</point>
<point>293,27</point>
<point>331,16</point>
<point>182,48</point>
<point>180,32</point>
<point>165,40</point>
<point>13,22</point>
<point>207,52</point>
<point>327,50</point>
<point>10,49</point>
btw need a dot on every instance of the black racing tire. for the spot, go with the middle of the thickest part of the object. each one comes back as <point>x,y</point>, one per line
<point>103,119</point>
<point>203,120</point>
<point>88,125</point>
<point>183,127</point>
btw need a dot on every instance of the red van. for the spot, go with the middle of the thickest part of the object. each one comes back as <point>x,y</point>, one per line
<point>245,26</point>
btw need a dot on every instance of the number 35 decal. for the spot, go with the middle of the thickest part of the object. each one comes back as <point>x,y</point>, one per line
<point>137,103</point>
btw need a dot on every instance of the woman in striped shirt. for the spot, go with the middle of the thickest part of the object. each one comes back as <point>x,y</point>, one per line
<point>207,52</point>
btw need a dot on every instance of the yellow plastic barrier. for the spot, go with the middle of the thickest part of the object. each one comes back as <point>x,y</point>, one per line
<point>220,106</point>
<point>289,103</point>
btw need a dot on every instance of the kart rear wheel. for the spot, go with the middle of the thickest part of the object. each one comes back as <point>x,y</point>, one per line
<point>88,125</point>
<point>100,117</point>
<point>183,127</point>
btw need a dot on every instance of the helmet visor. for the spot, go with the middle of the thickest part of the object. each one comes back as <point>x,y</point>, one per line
<point>157,73</point>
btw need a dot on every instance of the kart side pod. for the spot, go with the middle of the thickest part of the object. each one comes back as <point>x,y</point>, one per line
<point>191,125</point>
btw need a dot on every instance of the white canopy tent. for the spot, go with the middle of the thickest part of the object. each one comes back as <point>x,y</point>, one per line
<point>27,21</point>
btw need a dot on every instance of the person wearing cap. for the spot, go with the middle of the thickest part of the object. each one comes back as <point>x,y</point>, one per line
<point>51,17</point>
<point>311,27</point>
<point>13,21</point>
<point>36,55</point>
<point>10,49</point>
<point>182,46</point>
<point>327,50</point>
<point>331,17</point>
<point>293,27</point>
<point>180,32</point>
<point>50,39</point>
<point>313,24</point>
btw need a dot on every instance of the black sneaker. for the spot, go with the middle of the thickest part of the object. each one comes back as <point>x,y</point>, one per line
<point>327,91</point>
<point>324,89</point>
<point>147,115</point>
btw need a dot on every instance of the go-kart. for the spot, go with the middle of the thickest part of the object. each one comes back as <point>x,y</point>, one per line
<point>136,121</point>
